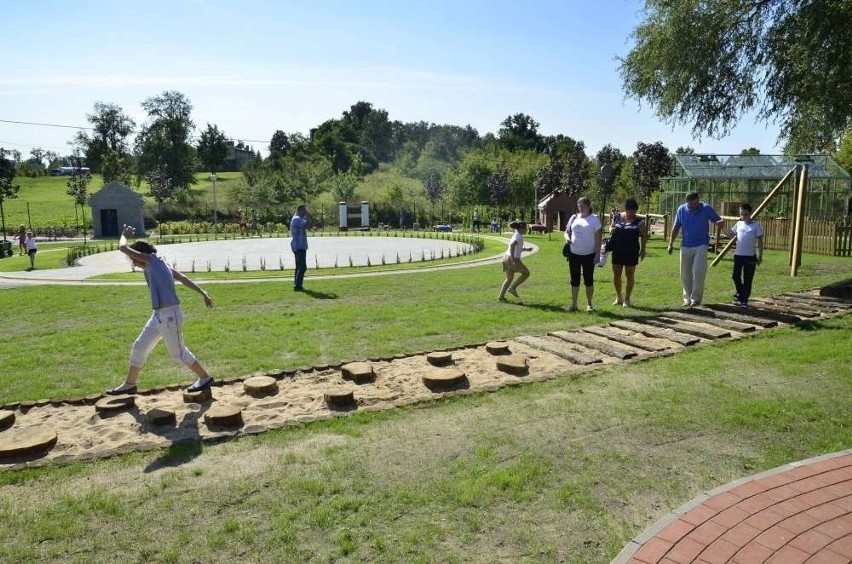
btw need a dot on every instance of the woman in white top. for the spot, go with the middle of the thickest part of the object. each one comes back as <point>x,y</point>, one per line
<point>584,233</point>
<point>512,261</point>
<point>32,248</point>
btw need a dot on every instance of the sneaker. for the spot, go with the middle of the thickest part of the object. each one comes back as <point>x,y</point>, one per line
<point>617,301</point>
<point>504,300</point>
<point>694,303</point>
<point>737,298</point>
<point>121,390</point>
<point>514,292</point>
<point>590,309</point>
<point>571,309</point>
<point>627,303</point>
<point>686,303</point>
<point>744,305</point>
<point>200,385</point>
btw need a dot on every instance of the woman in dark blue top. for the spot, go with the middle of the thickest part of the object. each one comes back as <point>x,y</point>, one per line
<point>628,234</point>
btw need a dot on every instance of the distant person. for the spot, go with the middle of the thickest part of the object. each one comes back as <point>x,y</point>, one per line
<point>32,248</point>
<point>694,217</point>
<point>747,255</point>
<point>628,235</point>
<point>512,263</point>
<point>299,245</point>
<point>22,237</point>
<point>583,231</point>
<point>166,322</point>
<point>476,221</point>
<point>495,227</point>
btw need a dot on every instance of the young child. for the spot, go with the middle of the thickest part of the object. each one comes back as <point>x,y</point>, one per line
<point>32,248</point>
<point>22,238</point>
<point>748,254</point>
<point>512,261</point>
<point>166,322</point>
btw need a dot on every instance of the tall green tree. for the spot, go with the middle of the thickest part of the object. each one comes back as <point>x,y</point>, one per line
<point>164,142</point>
<point>78,189</point>
<point>651,161</point>
<point>212,148</point>
<point>609,161</point>
<point>108,141</point>
<point>161,188</point>
<point>519,132</point>
<point>706,63</point>
<point>8,190</point>
<point>280,144</point>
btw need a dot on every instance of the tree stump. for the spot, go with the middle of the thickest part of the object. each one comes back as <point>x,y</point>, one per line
<point>259,386</point>
<point>7,419</point>
<point>29,440</point>
<point>224,416</point>
<point>440,358</point>
<point>444,378</point>
<point>200,396</point>
<point>497,347</point>
<point>338,397</point>
<point>159,416</point>
<point>358,372</point>
<point>513,364</point>
<point>111,404</point>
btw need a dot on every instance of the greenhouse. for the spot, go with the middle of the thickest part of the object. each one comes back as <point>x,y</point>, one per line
<point>725,181</point>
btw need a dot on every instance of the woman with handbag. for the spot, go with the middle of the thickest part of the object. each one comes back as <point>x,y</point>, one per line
<point>628,235</point>
<point>583,232</point>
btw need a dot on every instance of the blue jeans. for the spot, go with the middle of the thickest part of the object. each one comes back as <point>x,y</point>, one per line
<point>301,267</point>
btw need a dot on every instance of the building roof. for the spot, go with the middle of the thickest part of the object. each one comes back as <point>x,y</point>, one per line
<point>764,167</point>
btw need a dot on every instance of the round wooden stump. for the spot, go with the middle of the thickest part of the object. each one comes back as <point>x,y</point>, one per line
<point>339,397</point>
<point>513,364</point>
<point>358,372</point>
<point>7,419</point>
<point>258,386</point>
<point>444,378</point>
<point>29,440</point>
<point>111,404</point>
<point>200,396</point>
<point>159,416</point>
<point>497,347</point>
<point>440,358</point>
<point>224,416</point>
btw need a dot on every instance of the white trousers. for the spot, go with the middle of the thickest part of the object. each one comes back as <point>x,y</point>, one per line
<point>693,270</point>
<point>167,324</point>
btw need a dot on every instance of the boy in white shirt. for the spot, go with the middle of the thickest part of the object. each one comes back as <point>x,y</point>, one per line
<point>748,254</point>
<point>512,261</point>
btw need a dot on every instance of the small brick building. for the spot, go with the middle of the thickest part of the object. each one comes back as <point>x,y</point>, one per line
<point>555,209</point>
<point>115,205</point>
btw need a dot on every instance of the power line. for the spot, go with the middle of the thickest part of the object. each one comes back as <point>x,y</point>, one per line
<point>42,124</point>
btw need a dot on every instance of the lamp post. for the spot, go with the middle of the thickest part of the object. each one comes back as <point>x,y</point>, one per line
<point>215,230</point>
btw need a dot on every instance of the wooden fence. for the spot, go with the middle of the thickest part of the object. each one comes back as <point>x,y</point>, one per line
<point>832,237</point>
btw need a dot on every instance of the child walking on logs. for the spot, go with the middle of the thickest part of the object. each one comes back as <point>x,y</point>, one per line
<point>166,322</point>
<point>747,255</point>
<point>512,261</point>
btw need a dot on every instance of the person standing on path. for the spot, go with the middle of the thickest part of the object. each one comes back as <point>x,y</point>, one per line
<point>628,235</point>
<point>32,248</point>
<point>166,322</point>
<point>747,255</point>
<point>512,261</point>
<point>583,232</point>
<point>299,245</point>
<point>694,217</point>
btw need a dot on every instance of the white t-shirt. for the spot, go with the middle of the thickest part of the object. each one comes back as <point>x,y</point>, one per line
<point>30,242</point>
<point>519,247</point>
<point>747,235</point>
<point>582,234</point>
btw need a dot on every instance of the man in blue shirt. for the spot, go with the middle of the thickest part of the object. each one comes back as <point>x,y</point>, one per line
<point>694,218</point>
<point>299,245</point>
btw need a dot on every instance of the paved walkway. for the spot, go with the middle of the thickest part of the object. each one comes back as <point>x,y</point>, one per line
<point>801,512</point>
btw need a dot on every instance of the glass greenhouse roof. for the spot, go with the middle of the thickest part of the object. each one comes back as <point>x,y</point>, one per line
<point>755,166</point>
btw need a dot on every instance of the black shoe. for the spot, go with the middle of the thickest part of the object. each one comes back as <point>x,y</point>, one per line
<point>196,387</point>
<point>121,391</point>
<point>298,289</point>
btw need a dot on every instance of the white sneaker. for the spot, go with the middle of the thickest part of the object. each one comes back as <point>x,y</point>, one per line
<point>617,301</point>
<point>590,309</point>
<point>627,303</point>
<point>686,303</point>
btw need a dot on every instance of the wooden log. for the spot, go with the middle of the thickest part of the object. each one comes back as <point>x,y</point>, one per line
<point>7,419</point>
<point>607,348</point>
<point>442,358</point>
<point>497,347</point>
<point>658,333</point>
<point>224,416</point>
<point>358,372</point>
<point>444,378</point>
<point>200,396</point>
<point>26,441</point>
<point>259,386</point>
<point>338,397</point>
<point>696,329</point>
<point>759,321</point>
<point>726,324</point>
<point>111,404</point>
<point>571,355</point>
<point>513,364</point>
<point>789,309</point>
<point>161,417</point>
<point>625,339</point>
<point>757,312</point>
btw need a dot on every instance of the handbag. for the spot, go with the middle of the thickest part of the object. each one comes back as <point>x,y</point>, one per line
<point>566,248</point>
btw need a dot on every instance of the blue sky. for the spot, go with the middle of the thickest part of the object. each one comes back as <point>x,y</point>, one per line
<point>256,66</point>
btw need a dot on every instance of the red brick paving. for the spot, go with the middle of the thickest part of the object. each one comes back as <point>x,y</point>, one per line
<point>799,513</point>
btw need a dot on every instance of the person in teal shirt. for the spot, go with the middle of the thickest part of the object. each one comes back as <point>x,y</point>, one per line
<point>694,218</point>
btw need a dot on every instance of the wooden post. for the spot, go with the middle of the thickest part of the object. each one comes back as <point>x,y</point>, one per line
<point>769,197</point>
<point>799,226</point>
